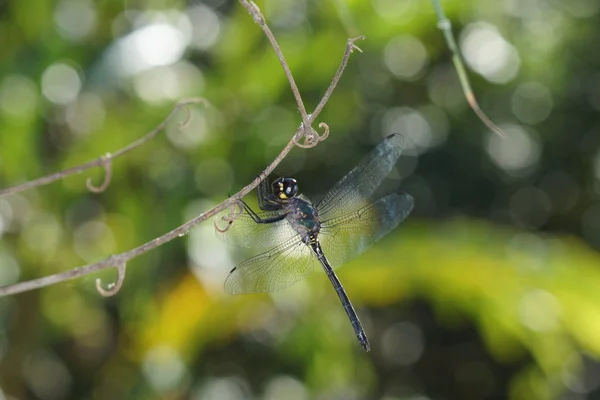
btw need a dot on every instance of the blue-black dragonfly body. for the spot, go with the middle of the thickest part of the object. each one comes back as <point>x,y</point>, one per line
<point>334,231</point>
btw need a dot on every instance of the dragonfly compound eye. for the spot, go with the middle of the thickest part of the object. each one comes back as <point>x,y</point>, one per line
<point>285,188</point>
<point>290,187</point>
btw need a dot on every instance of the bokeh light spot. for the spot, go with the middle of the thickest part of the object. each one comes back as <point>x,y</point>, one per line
<point>540,311</point>
<point>162,41</point>
<point>222,389</point>
<point>47,376</point>
<point>61,83</point>
<point>488,53</point>
<point>397,11</point>
<point>169,83</point>
<point>209,256</point>
<point>515,152</point>
<point>405,57</point>
<point>18,96</point>
<point>205,26</point>
<point>192,134</point>
<point>285,387</point>
<point>444,89</point>
<point>6,216</point>
<point>527,251</point>
<point>530,207</point>
<point>93,240</point>
<point>532,102</point>
<point>285,13</point>
<point>163,367</point>
<point>412,125</point>
<point>75,19</point>
<point>402,343</point>
<point>214,176</point>
<point>9,270</point>
<point>43,234</point>
<point>86,115</point>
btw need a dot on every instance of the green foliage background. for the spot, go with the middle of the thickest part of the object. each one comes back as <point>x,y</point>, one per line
<point>489,290</point>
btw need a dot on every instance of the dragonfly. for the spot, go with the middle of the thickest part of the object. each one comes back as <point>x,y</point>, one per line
<point>298,234</point>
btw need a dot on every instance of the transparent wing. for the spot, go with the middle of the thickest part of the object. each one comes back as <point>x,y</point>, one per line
<point>346,237</point>
<point>244,232</point>
<point>353,190</point>
<point>273,270</point>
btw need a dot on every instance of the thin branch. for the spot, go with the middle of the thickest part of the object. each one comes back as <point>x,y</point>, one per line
<point>120,260</point>
<point>446,28</point>
<point>103,160</point>
<point>128,255</point>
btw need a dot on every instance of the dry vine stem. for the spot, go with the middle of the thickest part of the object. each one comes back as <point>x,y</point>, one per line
<point>105,160</point>
<point>119,261</point>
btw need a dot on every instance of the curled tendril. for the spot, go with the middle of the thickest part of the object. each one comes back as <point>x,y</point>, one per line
<point>184,105</point>
<point>188,117</point>
<point>325,134</point>
<point>312,138</point>
<point>107,165</point>
<point>234,212</point>
<point>114,287</point>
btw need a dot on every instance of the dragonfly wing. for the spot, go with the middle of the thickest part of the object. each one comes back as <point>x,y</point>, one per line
<point>244,232</point>
<point>273,270</point>
<point>346,237</point>
<point>353,190</point>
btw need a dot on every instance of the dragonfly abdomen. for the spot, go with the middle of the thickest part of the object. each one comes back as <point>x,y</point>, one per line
<point>339,289</point>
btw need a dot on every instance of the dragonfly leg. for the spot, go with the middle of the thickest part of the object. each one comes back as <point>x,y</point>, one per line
<point>266,200</point>
<point>260,220</point>
<point>262,192</point>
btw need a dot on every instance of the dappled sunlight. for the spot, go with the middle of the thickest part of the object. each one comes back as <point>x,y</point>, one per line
<point>489,289</point>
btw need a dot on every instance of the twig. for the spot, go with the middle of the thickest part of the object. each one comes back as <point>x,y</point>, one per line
<point>104,160</point>
<point>446,28</point>
<point>120,260</point>
<point>123,258</point>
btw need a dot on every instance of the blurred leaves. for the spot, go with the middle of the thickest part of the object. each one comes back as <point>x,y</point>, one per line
<point>488,291</point>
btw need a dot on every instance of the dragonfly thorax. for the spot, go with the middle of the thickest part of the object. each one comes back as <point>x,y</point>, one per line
<point>303,217</point>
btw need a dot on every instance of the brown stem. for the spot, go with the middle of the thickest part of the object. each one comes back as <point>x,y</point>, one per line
<point>128,255</point>
<point>102,160</point>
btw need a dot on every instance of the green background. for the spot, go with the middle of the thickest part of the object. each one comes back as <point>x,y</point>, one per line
<point>488,291</point>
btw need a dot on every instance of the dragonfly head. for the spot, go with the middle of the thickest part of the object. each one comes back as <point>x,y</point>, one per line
<point>285,188</point>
